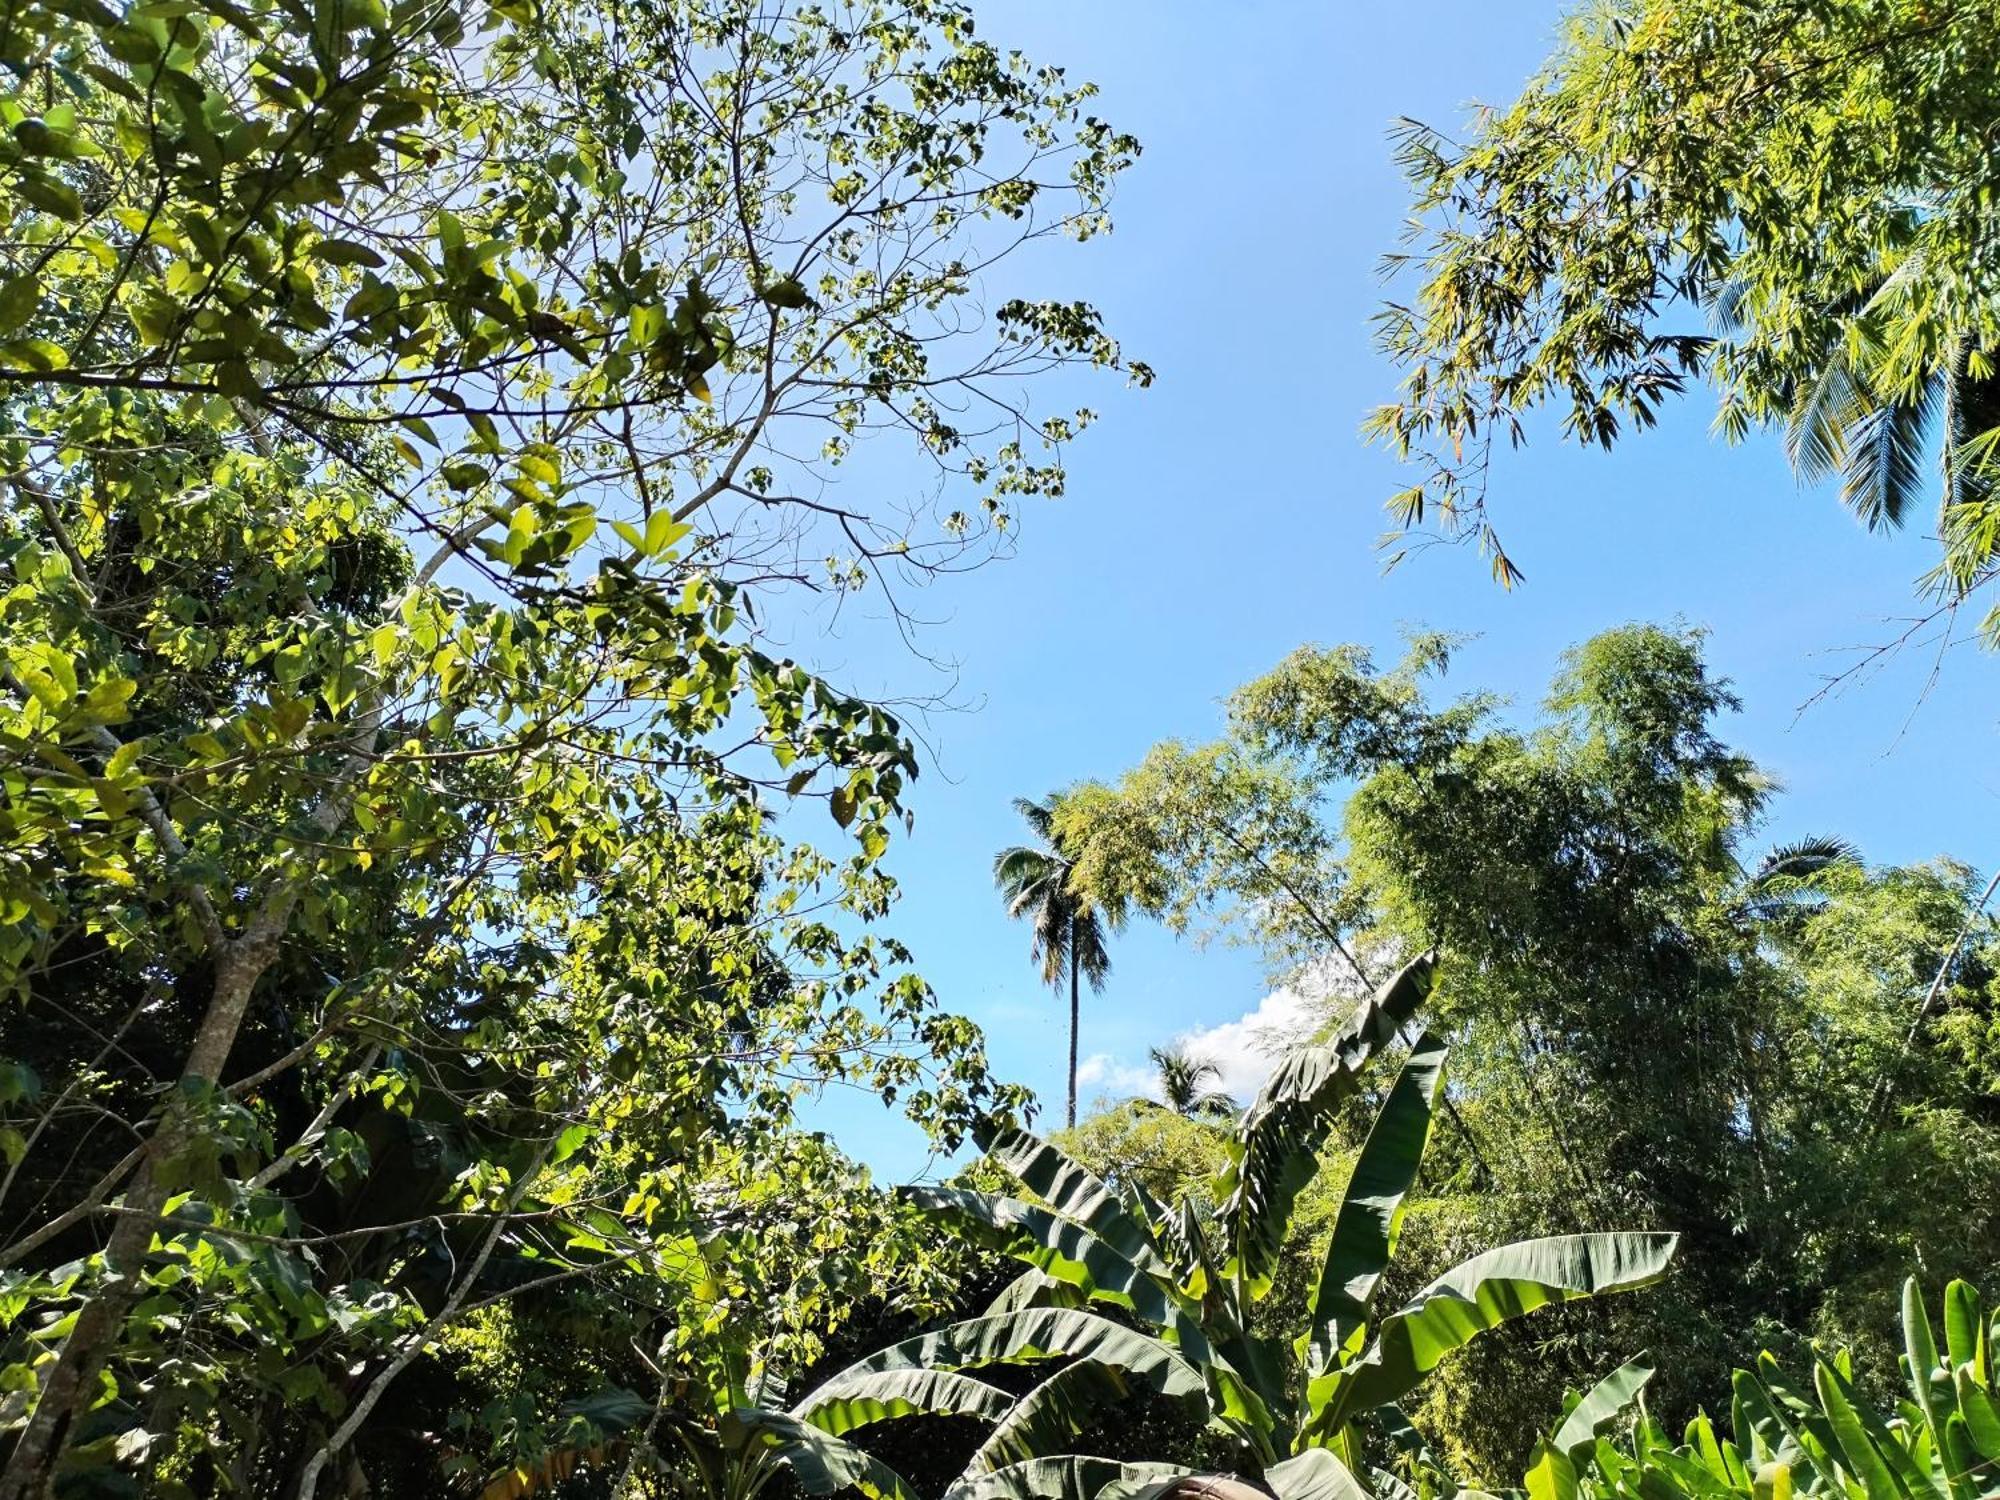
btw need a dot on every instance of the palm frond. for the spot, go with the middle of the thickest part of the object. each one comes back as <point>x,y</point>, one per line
<point>1181,1076</point>
<point>1018,866</point>
<point>1822,420</point>
<point>1093,954</point>
<point>1972,466</point>
<point>1803,857</point>
<point>1040,816</point>
<point>1883,462</point>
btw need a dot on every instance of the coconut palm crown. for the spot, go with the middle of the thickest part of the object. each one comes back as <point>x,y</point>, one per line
<point>1069,927</point>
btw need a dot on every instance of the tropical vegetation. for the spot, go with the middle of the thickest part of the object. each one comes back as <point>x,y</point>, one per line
<point>1180,1289</point>
<point>1189,1085</point>
<point>1657,1018</point>
<point>1714,191</point>
<point>1070,928</point>
<point>434,910</point>
<point>405,412</point>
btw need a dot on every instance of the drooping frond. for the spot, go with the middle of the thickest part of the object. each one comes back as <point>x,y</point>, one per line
<point>1039,816</point>
<point>1972,465</point>
<point>1823,421</point>
<point>1803,857</point>
<point>1970,521</point>
<point>1182,1078</point>
<point>1093,953</point>
<point>1020,867</point>
<point>1883,461</point>
<point>1216,1104</point>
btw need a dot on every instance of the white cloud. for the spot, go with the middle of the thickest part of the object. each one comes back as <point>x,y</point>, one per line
<point>1113,1079</point>
<point>1246,1049</point>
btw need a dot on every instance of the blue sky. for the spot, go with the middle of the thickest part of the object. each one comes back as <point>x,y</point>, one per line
<point>1229,514</point>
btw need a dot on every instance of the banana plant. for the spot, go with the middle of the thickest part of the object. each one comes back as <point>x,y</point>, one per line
<point>1818,1440</point>
<point>1191,1289</point>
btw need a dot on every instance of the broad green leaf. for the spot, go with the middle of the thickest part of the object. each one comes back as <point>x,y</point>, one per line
<point>1275,1151</point>
<point>1063,1405</point>
<point>821,1463</point>
<point>1371,1212</point>
<point>1489,1290</point>
<point>1982,1417</point>
<point>1773,1482</point>
<point>1857,1450</point>
<point>1055,1246</point>
<point>1551,1475</point>
<point>1069,1478</point>
<point>1040,1333</point>
<point>849,1401</point>
<point>614,1409</point>
<point>1075,1193</point>
<point>19,297</point>
<point>1965,1331</point>
<point>1034,1289</point>
<point>1314,1475</point>
<point>1920,1349</point>
<point>1603,1404</point>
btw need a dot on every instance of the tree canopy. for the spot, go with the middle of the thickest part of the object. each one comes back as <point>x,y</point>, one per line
<point>408,409</point>
<point>1790,199</point>
<point>1655,1022</point>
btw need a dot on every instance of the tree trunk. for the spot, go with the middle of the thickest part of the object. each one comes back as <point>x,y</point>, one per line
<point>72,1383</point>
<point>1072,1023</point>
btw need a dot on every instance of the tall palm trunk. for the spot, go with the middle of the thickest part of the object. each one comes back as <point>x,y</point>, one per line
<point>1072,1022</point>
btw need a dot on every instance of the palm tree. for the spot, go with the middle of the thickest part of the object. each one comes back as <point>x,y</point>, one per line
<point>1069,927</point>
<point>1773,889</point>
<point>1182,1080</point>
<point>1861,418</point>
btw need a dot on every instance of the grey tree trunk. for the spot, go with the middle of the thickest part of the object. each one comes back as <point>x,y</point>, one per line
<point>69,1386</point>
<point>1073,1007</point>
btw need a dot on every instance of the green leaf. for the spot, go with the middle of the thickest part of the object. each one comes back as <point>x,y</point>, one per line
<point>1275,1152</point>
<point>124,758</point>
<point>851,1400</point>
<point>568,1143</point>
<point>1862,1457</point>
<point>1982,1418</point>
<point>1314,1475</point>
<point>785,292</point>
<point>1074,1192</point>
<point>1033,1289</point>
<point>1066,1403</point>
<point>346,253</point>
<point>821,1463</point>
<point>662,531</point>
<point>1920,1348</point>
<point>51,196</point>
<point>19,297</point>
<point>38,355</point>
<point>1551,1475</point>
<point>19,1083</point>
<point>1486,1291</point>
<point>1055,1246</point>
<point>1371,1211</point>
<point>613,1409</point>
<point>1965,1331</point>
<point>1773,1482</point>
<point>1069,1478</point>
<point>1035,1335</point>
<point>1602,1404</point>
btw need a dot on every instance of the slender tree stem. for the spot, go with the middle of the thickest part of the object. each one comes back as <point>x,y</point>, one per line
<point>1074,1009</point>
